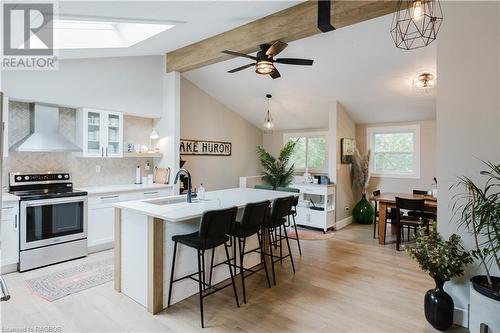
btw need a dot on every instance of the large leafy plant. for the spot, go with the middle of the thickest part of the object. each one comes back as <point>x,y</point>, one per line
<point>441,259</point>
<point>478,210</point>
<point>277,171</point>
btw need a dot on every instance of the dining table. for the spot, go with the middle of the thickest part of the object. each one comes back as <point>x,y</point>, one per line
<point>387,200</point>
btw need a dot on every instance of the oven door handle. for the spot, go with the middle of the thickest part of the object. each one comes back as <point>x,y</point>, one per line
<point>54,201</point>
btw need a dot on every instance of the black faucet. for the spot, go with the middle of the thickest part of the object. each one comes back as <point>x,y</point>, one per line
<point>188,175</point>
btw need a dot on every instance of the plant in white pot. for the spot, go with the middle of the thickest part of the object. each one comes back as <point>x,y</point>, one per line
<point>478,210</point>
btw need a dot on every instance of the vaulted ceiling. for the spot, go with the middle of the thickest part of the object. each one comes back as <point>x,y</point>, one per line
<point>358,66</point>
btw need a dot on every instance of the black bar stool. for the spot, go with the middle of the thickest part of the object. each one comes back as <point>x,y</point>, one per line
<point>251,223</point>
<point>213,231</point>
<point>293,211</point>
<point>280,214</point>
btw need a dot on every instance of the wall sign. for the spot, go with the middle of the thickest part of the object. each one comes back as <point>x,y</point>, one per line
<point>205,148</point>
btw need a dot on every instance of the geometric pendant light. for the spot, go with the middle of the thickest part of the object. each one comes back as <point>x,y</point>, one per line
<point>268,121</point>
<point>416,23</point>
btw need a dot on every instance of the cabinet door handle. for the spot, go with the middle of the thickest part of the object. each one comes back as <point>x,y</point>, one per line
<point>109,197</point>
<point>15,221</point>
<point>106,151</point>
<point>151,193</point>
<point>102,151</point>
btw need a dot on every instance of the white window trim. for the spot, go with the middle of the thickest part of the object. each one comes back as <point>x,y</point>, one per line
<point>395,129</point>
<point>313,134</point>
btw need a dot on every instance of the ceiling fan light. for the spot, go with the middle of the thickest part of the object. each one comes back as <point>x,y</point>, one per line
<point>264,67</point>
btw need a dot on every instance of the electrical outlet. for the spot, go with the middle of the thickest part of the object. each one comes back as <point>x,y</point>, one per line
<point>97,168</point>
<point>346,208</point>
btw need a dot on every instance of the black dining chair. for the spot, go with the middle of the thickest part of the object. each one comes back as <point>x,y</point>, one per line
<point>214,227</point>
<point>251,224</point>
<point>389,214</point>
<point>402,221</point>
<point>293,211</point>
<point>428,214</point>
<point>280,213</point>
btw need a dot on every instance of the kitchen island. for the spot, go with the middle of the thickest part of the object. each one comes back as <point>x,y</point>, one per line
<point>143,243</point>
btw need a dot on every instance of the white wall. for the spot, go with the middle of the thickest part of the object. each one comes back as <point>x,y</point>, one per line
<point>128,84</point>
<point>204,118</point>
<point>428,146</point>
<point>468,110</point>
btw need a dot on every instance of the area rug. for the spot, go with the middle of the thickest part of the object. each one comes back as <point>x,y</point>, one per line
<point>306,234</point>
<point>69,281</point>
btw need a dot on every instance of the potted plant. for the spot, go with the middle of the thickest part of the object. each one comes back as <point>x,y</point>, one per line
<point>363,212</point>
<point>442,260</point>
<point>277,171</point>
<point>477,209</point>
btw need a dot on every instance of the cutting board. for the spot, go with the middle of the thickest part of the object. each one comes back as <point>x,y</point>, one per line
<point>162,175</point>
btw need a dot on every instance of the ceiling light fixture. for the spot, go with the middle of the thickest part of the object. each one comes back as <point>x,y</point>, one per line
<point>425,80</point>
<point>264,67</point>
<point>268,121</point>
<point>416,23</point>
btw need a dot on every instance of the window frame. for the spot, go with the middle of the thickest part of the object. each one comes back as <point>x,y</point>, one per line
<point>307,135</point>
<point>415,129</point>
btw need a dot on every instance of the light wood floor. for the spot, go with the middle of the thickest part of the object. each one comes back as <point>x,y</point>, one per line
<point>345,284</point>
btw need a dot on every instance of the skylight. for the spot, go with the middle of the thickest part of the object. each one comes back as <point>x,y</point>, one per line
<point>85,34</point>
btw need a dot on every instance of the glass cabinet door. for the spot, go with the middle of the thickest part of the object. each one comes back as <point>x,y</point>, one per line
<point>94,134</point>
<point>114,140</point>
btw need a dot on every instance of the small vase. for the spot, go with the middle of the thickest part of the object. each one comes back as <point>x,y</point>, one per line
<point>439,307</point>
<point>363,212</point>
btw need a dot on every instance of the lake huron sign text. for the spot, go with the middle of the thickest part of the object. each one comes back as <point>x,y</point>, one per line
<point>200,147</point>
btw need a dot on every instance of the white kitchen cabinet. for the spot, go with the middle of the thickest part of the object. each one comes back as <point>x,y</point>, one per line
<point>322,196</point>
<point>100,133</point>
<point>101,215</point>
<point>5,120</point>
<point>9,229</point>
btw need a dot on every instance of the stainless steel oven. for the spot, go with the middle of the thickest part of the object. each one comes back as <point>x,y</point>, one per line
<point>52,221</point>
<point>53,218</point>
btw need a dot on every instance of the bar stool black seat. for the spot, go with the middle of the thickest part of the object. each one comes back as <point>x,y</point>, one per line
<point>293,211</point>
<point>278,218</point>
<point>251,223</point>
<point>214,227</point>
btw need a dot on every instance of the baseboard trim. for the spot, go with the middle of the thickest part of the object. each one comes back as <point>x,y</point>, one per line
<point>461,317</point>
<point>343,223</point>
<point>101,247</point>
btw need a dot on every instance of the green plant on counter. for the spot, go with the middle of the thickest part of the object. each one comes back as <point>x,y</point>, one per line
<point>441,259</point>
<point>277,171</point>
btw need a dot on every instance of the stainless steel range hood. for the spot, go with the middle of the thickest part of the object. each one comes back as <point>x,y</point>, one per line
<point>44,132</point>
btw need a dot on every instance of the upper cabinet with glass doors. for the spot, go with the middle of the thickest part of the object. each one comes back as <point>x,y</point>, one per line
<point>100,133</point>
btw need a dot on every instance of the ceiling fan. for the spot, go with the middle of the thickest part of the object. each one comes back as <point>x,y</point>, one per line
<point>264,60</point>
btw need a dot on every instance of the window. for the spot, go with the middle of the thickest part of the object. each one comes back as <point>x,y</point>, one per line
<point>395,151</point>
<point>310,151</point>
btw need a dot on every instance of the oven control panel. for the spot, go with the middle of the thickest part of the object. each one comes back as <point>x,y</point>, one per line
<point>37,178</point>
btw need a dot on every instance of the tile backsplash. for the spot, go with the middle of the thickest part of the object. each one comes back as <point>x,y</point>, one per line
<point>112,170</point>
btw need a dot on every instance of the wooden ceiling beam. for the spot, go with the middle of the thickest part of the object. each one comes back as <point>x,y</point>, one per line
<point>290,24</point>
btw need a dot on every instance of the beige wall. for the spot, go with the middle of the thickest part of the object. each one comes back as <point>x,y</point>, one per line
<point>468,112</point>
<point>204,118</point>
<point>346,128</point>
<point>427,159</point>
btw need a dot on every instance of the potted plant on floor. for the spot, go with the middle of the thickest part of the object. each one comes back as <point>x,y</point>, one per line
<point>363,212</point>
<point>478,211</point>
<point>442,260</point>
<point>277,171</point>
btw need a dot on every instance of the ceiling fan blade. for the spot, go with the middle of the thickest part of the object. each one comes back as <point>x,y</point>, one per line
<point>239,54</point>
<point>241,68</point>
<point>276,74</point>
<point>295,61</point>
<point>276,48</point>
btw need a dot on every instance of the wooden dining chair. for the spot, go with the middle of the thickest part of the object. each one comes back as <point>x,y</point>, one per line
<point>389,214</point>
<point>403,221</point>
<point>428,214</point>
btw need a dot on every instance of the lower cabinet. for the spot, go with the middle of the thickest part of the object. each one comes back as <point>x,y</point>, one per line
<point>9,230</point>
<point>101,215</point>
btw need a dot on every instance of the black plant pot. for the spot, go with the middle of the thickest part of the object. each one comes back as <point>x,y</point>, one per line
<point>480,284</point>
<point>438,307</point>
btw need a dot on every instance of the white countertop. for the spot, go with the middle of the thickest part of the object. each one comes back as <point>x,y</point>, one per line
<point>98,190</point>
<point>180,211</point>
<point>7,197</point>
<point>311,184</point>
